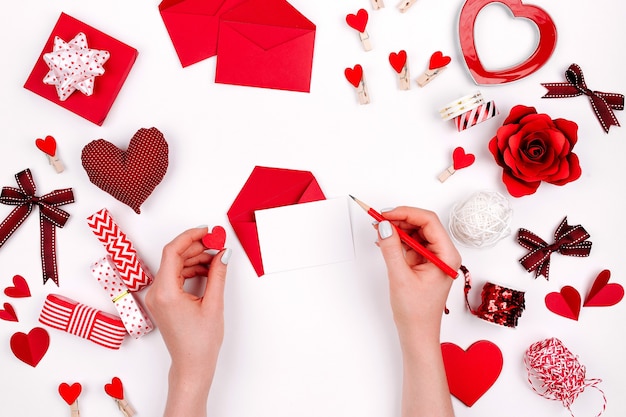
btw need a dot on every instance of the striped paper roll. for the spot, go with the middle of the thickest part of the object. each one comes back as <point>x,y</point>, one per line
<point>83,321</point>
<point>478,114</point>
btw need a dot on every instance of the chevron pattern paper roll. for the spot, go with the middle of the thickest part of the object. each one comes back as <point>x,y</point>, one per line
<point>476,115</point>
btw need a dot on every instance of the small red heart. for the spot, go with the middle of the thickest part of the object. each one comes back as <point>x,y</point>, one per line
<point>438,60</point>
<point>473,371</point>
<point>565,303</point>
<point>8,313</point>
<point>19,289</point>
<point>30,348</point>
<point>47,145</point>
<point>397,60</point>
<point>358,21</point>
<point>603,294</point>
<point>354,75</point>
<point>70,393</point>
<point>115,389</point>
<point>462,159</point>
<point>215,239</point>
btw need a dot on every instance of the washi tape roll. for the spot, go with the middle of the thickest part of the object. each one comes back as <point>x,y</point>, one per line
<point>461,105</point>
<point>476,115</point>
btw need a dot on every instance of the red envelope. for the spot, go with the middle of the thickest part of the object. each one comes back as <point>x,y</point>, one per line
<point>265,43</point>
<point>193,26</point>
<point>106,87</point>
<point>268,188</point>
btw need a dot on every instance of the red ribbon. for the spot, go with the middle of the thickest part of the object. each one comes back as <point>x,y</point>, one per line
<point>603,103</point>
<point>568,240</point>
<point>50,216</point>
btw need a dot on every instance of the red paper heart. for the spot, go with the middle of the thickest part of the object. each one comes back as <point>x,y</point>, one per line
<point>603,294</point>
<point>47,145</point>
<point>358,21</point>
<point>397,60</point>
<point>115,389</point>
<point>473,371</point>
<point>215,239</point>
<point>462,159</point>
<point>70,393</point>
<point>130,176</point>
<point>30,348</point>
<point>545,46</point>
<point>438,60</point>
<point>8,313</point>
<point>565,303</point>
<point>19,289</point>
<point>354,75</point>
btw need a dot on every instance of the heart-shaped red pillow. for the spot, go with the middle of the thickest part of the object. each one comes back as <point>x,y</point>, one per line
<point>131,175</point>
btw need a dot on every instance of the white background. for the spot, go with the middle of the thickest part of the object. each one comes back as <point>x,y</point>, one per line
<point>319,341</point>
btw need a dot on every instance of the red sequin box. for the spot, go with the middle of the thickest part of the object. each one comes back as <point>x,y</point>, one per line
<point>106,87</point>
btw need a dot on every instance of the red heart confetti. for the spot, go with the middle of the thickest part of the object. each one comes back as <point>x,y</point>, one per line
<point>354,75</point>
<point>70,393</point>
<point>358,21</point>
<point>115,389</point>
<point>438,60</point>
<point>47,145</point>
<point>565,303</point>
<point>30,348</point>
<point>19,289</point>
<point>473,371</point>
<point>397,60</point>
<point>215,239</point>
<point>603,294</point>
<point>8,313</point>
<point>462,159</point>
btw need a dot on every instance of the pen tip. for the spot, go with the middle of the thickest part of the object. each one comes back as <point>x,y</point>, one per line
<point>351,196</point>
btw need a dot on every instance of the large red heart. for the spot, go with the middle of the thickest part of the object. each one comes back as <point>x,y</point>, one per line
<point>545,46</point>
<point>354,75</point>
<point>47,145</point>
<point>397,60</point>
<point>215,239</point>
<point>30,348</point>
<point>603,294</point>
<point>130,176</point>
<point>461,159</point>
<point>438,60</point>
<point>473,371</point>
<point>70,393</point>
<point>565,303</point>
<point>358,21</point>
<point>19,289</point>
<point>8,313</point>
<point>115,389</point>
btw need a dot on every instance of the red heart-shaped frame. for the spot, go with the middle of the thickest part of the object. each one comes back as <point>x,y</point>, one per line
<point>30,348</point>
<point>565,303</point>
<point>545,46</point>
<point>19,289</point>
<point>473,371</point>
<point>70,393</point>
<point>603,294</point>
<point>397,60</point>
<point>8,313</point>
<point>358,21</point>
<point>115,389</point>
<point>461,159</point>
<point>354,75</point>
<point>47,145</point>
<point>215,239</point>
<point>438,60</point>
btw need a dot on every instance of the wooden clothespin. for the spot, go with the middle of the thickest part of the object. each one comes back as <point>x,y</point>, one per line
<point>378,4</point>
<point>436,66</point>
<point>358,22</point>
<point>356,77</point>
<point>400,64</point>
<point>70,394</point>
<point>116,390</point>
<point>49,147</point>
<point>405,4</point>
<point>460,160</point>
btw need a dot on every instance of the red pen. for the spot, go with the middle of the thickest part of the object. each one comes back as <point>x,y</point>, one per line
<point>412,243</point>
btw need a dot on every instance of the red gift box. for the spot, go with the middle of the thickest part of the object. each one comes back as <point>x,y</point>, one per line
<point>106,87</point>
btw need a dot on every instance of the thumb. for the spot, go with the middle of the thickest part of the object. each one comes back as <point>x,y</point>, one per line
<point>391,248</point>
<point>214,291</point>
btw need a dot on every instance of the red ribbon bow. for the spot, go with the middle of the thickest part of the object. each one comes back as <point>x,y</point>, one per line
<point>50,216</point>
<point>603,103</point>
<point>568,240</point>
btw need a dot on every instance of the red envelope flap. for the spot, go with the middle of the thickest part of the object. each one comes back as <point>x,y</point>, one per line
<point>266,36</point>
<point>199,7</point>
<point>265,14</point>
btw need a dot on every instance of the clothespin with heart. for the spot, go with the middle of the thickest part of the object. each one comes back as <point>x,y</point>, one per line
<point>378,4</point>
<point>460,160</point>
<point>49,147</point>
<point>358,22</point>
<point>356,77</point>
<point>215,240</point>
<point>405,4</point>
<point>400,64</point>
<point>438,62</point>
<point>116,390</point>
<point>70,394</point>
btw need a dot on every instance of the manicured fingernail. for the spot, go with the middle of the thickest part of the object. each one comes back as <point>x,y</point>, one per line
<point>384,229</point>
<point>202,226</point>
<point>226,256</point>
<point>386,209</point>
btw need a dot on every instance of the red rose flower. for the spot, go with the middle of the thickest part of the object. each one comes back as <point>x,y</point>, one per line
<point>532,148</point>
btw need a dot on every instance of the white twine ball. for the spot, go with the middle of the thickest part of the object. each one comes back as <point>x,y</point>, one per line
<point>482,220</point>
